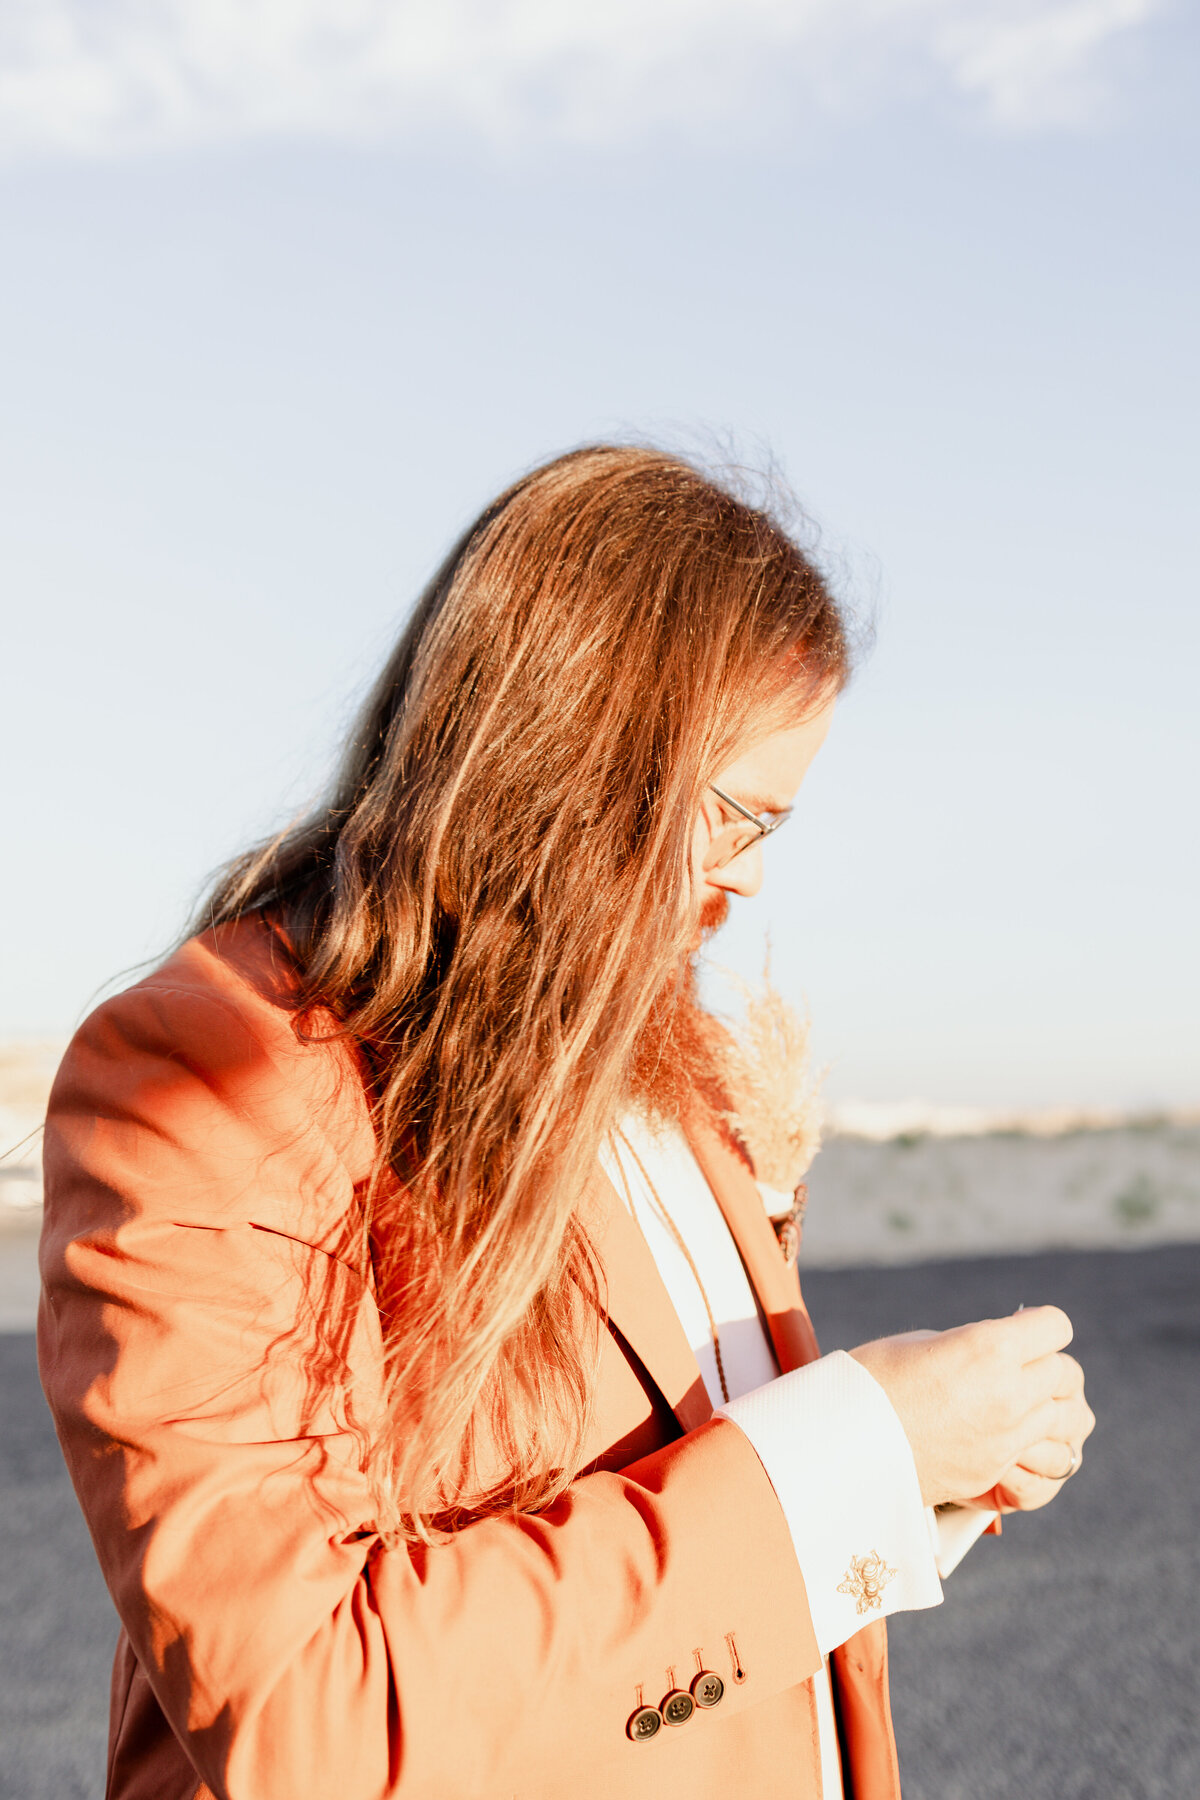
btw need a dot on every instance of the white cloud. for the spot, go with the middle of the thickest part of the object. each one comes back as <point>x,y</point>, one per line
<point>1036,65</point>
<point>105,76</point>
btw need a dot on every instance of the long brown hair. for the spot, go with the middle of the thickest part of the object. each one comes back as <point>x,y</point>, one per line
<point>491,902</point>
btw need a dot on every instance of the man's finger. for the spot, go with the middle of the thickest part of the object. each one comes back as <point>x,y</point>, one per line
<point>1068,1421</point>
<point>1069,1377</point>
<point>1052,1459</point>
<point>1056,1377</point>
<point>1019,1491</point>
<point>1038,1331</point>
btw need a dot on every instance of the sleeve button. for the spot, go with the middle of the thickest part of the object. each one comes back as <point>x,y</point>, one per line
<point>678,1707</point>
<point>708,1689</point>
<point>643,1724</point>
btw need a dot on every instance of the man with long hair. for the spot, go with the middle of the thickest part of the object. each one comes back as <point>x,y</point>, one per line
<point>399,1245</point>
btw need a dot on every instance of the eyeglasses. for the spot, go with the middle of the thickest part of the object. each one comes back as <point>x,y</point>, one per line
<point>745,830</point>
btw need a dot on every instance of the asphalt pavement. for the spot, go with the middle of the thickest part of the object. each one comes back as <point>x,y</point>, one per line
<point>1063,1664</point>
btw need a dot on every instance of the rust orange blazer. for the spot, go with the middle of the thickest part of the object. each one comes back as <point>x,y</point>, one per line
<point>202,1165</point>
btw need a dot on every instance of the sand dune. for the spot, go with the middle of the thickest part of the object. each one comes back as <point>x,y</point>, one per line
<point>919,1195</point>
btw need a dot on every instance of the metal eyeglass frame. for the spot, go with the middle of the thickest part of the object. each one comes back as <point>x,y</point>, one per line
<point>764,831</point>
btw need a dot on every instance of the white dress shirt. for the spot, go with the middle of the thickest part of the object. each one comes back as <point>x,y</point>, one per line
<point>827,1434</point>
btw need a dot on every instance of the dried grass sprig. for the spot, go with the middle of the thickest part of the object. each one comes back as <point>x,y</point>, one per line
<point>767,1072</point>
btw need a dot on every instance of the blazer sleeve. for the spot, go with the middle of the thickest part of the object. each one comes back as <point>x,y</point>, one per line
<point>189,1296</point>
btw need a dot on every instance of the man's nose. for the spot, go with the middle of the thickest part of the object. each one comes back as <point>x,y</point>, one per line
<point>744,875</point>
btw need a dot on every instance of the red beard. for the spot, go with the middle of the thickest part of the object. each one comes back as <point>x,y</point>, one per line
<point>714,913</point>
<point>676,1057</point>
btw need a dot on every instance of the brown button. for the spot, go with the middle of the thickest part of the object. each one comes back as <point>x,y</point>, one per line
<point>643,1724</point>
<point>678,1707</point>
<point>708,1689</point>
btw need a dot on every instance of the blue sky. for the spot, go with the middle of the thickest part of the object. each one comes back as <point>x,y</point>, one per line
<point>290,292</point>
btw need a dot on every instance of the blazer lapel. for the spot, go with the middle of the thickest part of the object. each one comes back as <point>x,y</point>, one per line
<point>775,1282</point>
<point>640,1307</point>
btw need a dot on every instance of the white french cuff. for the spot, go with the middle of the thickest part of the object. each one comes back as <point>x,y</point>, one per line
<point>837,1456</point>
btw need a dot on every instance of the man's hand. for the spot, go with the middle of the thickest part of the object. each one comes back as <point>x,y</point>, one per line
<point>994,1411</point>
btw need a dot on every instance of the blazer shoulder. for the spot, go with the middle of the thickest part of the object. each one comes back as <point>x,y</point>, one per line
<point>207,1062</point>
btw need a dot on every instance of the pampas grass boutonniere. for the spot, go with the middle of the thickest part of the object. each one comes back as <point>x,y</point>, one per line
<point>767,1073</point>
